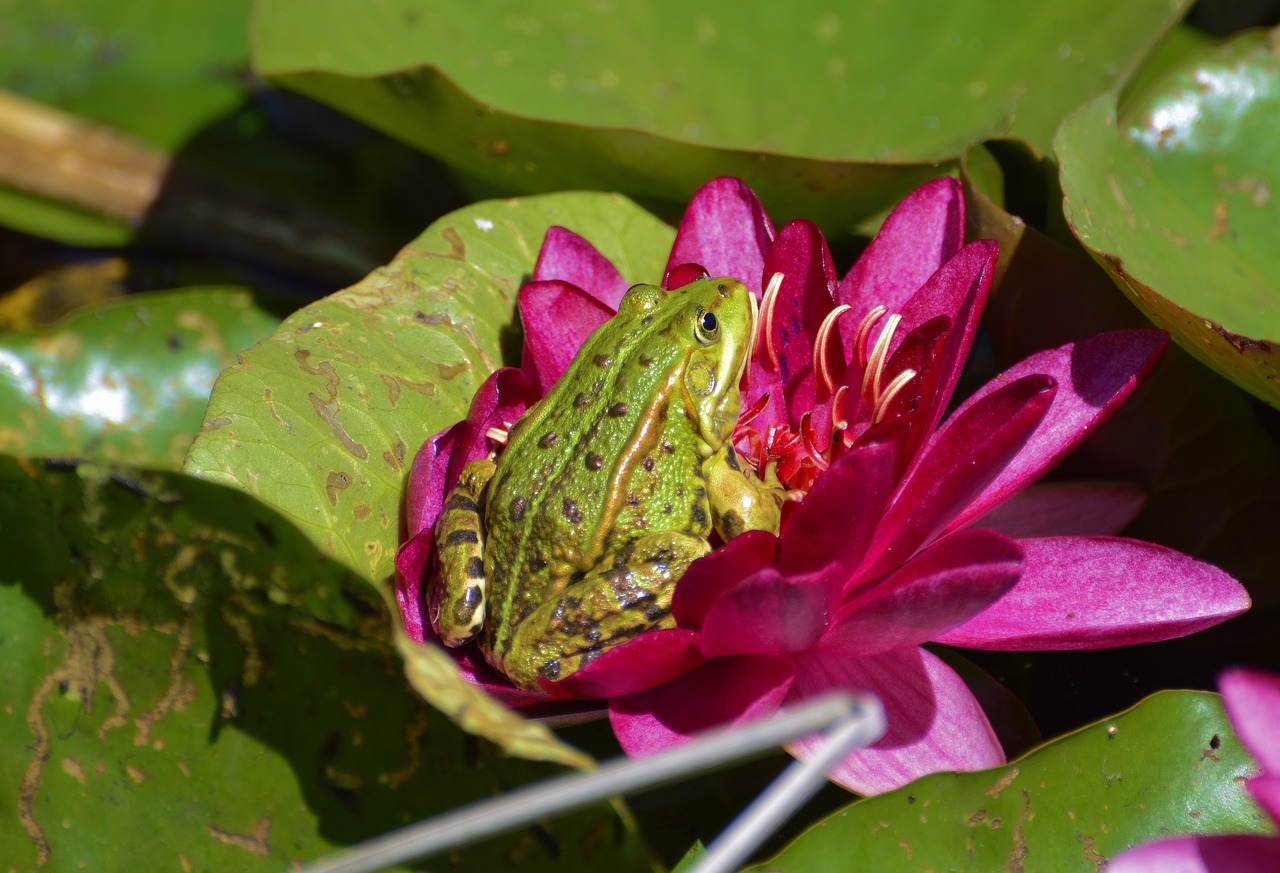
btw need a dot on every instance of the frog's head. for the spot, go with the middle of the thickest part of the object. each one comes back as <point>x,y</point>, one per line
<point>719,317</point>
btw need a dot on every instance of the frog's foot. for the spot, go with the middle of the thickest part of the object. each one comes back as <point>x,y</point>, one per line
<point>623,597</point>
<point>459,541</point>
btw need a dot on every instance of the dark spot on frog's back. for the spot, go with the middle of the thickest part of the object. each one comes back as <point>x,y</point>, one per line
<point>461,537</point>
<point>569,508</point>
<point>649,463</point>
<point>645,361</point>
<point>548,440</point>
<point>580,402</point>
<point>723,289</point>
<point>475,568</point>
<point>731,458</point>
<point>618,410</point>
<point>537,562</point>
<point>698,517</point>
<point>461,502</point>
<point>604,361</point>
<point>517,508</point>
<point>594,461</point>
<point>549,669</point>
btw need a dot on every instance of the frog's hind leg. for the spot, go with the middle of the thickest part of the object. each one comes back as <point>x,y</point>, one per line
<point>628,594</point>
<point>459,541</point>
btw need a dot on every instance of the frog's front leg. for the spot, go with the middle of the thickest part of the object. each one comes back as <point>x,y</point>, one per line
<point>628,594</point>
<point>739,500</point>
<point>460,548</point>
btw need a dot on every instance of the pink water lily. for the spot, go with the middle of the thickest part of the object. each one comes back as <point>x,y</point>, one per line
<point>909,528</point>
<point>1252,699</point>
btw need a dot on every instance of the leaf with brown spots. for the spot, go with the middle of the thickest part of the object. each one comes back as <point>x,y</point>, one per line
<point>1068,805</point>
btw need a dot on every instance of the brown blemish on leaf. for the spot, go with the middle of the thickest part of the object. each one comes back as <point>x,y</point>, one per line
<point>256,842</point>
<point>186,771</point>
<point>1239,342</point>
<point>185,862</point>
<point>395,383</point>
<point>335,482</point>
<point>1221,222</point>
<point>329,413</point>
<point>443,319</point>
<point>450,371</point>
<point>214,424</point>
<point>976,818</point>
<point>72,768</point>
<point>414,731</point>
<point>394,457</point>
<point>89,660</point>
<point>354,709</point>
<point>135,774</point>
<point>1092,855</point>
<point>251,670</point>
<point>1003,783</point>
<point>1018,853</point>
<point>457,248</point>
<point>180,691</point>
<point>362,512</point>
<point>271,408</point>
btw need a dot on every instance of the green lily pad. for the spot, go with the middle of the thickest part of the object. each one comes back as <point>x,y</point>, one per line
<point>186,684</point>
<point>828,113</point>
<point>124,382</point>
<point>1170,765</point>
<point>1172,192</point>
<point>322,420</point>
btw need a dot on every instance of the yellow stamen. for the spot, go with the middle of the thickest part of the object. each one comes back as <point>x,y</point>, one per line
<point>745,382</point>
<point>821,369</point>
<point>878,358</point>
<point>498,434</point>
<point>766,322</point>
<point>892,390</point>
<point>864,333</point>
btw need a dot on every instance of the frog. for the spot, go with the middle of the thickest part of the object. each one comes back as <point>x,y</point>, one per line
<point>571,542</point>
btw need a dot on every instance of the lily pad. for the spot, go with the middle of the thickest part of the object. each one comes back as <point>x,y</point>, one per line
<point>322,420</point>
<point>186,684</point>
<point>1172,191</point>
<point>1171,765</point>
<point>124,382</point>
<point>827,112</point>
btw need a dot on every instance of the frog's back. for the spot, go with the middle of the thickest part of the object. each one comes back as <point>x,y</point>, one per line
<point>610,453</point>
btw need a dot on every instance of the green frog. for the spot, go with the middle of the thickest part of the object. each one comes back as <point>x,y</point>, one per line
<point>607,489</point>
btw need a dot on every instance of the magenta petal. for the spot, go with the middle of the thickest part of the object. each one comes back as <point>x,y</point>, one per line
<point>1078,509</point>
<point>1213,854</point>
<point>558,318</point>
<point>1094,377</point>
<point>650,659</point>
<point>837,518</point>
<point>1252,698</point>
<point>969,452</point>
<point>918,237</point>
<point>935,723</point>
<point>803,299</point>
<point>726,230</point>
<point>1266,791</point>
<point>1095,592</point>
<point>711,575</point>
<point>721,693</point>
<point>498,402</point>
<point>771,614</point>
<point>943,586</point>
<point>682,274</point>
<point>570,258</point>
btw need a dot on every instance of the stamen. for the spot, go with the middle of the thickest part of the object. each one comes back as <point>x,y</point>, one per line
<point>821,368</point>
<point>878,357</point>
<point>745,380</point>
<point>498,434</point>
<point>864,332</point>
<point>892,390</point>
<point>810,437</point>
<point>839,421</point>
<point>766,321</point>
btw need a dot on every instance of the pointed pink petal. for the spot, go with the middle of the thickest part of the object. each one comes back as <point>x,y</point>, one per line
<point>723,692</point>
<point>1094,377</point>
<point>570,258</point>
<point>803,300</point>
<point>1078,509</point>
<point>959,291</point>
<point>935,724</point>
<point>771,614</point>
<point>682,274</point>
<point>943,586</point>
<point>558,318</point>
<point>1252,698</point>
<point>1214,854</point>
<point>498,403</point>
<point>652,658</point>
<point>918,237</point>
<point>1266,791</point>
<point>1096,592</point>
<point>711,575</point>
<point>969,452</point>
<point>837,518</point>
<point>726,230</point>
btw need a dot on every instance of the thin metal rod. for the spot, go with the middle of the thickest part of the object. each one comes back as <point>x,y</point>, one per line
<point>515,809</point>
<point>799,782</point>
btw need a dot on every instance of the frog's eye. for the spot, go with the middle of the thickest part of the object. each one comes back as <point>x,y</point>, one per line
<point>708,326</point>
